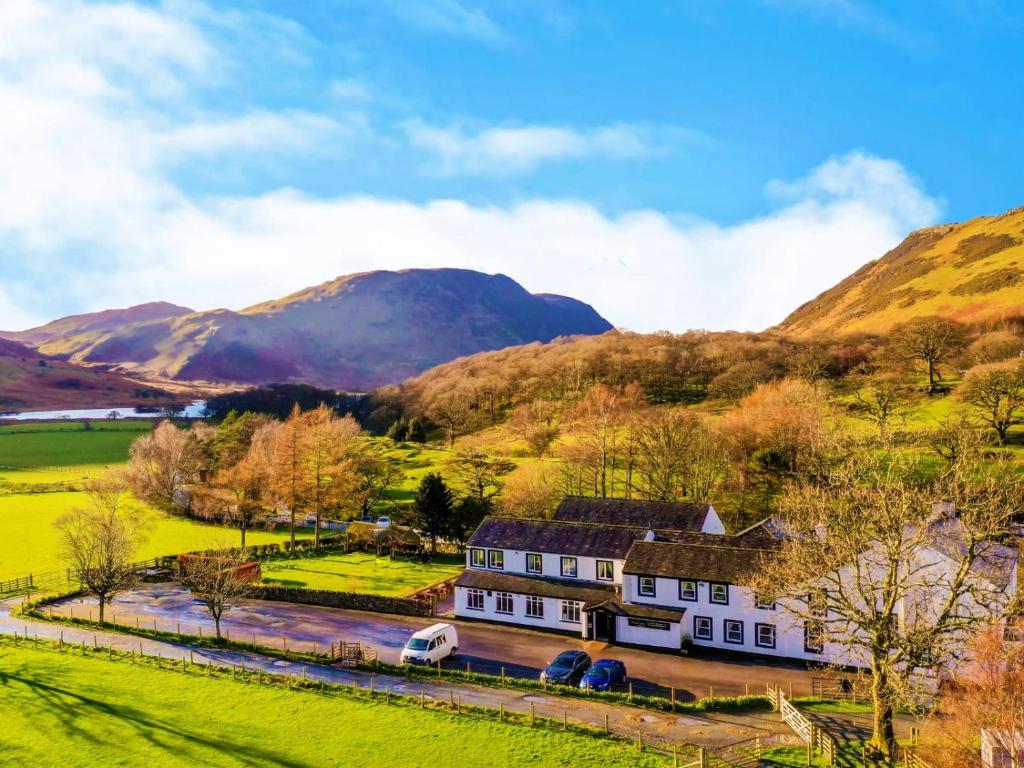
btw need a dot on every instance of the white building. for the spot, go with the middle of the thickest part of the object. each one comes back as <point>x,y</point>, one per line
<point>647,574</point>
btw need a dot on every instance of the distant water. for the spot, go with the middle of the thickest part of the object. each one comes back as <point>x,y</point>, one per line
<point>191,411</point>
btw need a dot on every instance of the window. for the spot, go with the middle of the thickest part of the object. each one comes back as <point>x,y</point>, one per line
<point>477,558</point>
<point>571,611</point>
<point>688,590</point>
<point>605,570</point>
<point>535,607</point>
<point>496,559</point>
<point>764,635</point>
<point>534,563</point>
<point>818,603</point>
<point>814,636</point>
<point>720,593</point>
<point>569,567</point>
<point>504,600</point>
<point>646,585</point>
<point>702,628</point>
<point>475,599</point>
<point>734,631</point>
<point>764,602</point>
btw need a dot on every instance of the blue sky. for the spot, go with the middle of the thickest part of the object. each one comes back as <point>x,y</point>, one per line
<point>677,164</point>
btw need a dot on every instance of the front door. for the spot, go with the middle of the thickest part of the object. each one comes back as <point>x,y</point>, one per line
<point>604,626</point>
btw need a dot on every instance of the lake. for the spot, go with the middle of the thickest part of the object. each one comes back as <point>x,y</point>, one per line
<point>192,411</point>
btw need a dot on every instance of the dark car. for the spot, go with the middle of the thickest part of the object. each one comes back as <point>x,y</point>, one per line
<point>605,674</point>
<point>566,668</point>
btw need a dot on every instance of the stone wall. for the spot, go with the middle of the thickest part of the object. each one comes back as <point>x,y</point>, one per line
<point>351,600</point>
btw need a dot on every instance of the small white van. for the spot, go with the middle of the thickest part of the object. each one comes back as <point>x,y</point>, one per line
<point>430,645</point>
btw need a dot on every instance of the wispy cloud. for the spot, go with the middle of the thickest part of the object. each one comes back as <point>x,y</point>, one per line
<point>853,14</point>
<point>457,149</point>
<point>447,17</point>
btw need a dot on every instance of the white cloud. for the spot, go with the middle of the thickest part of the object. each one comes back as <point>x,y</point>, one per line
<point>644,270</point>
<point>91,215</point>
<point>503,150</point>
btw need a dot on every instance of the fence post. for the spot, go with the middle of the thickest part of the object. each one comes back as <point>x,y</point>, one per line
<point>673,698</point>
<point>501,711</point>
<point>607,730</point>
<point>631,690</point>
<point>502,675</point>
<point>533,712</point>
<point>702,754</point>
<point>565,719</point>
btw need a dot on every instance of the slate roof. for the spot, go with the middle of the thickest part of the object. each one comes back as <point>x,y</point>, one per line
<point>564,589</point>
<point>668,516</point>
<point>556,537</point>
<point>721,561</point>
<point>637,610</point>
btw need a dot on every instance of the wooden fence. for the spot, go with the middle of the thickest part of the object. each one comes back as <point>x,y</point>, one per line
<point>57,580</point>
<point>814,736</point>
<point>839,689</point>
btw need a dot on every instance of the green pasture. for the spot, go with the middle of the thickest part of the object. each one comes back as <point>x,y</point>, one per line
<point>29,542</point>
<point>68,710</point>
<point>360,572</point>
<point>57,457</point>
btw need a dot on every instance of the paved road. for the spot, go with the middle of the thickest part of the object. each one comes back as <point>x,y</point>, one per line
<point>710,730</point>
<point>486,647</point>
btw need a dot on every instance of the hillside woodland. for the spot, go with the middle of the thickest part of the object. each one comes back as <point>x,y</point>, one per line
<point>726,418</point>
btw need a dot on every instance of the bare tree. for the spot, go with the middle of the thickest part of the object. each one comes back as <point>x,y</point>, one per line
<point>163,463</point>
<point>956,439</point>
<point>376,476</point>
<point>100,540</point>
<point>452,414</point>
<point>894,575</point>
<point>479,472</point>
<point>534,423</point>
<point>531,491</point>
<point>996,392</point>
<point>220,583</point>
<point>990,696</point>
<point>884,402</point>
<point>663,446</point>
<point>931,341</point>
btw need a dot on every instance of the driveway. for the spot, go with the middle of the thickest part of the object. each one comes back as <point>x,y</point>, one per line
<point>485,647</point>
<point>709,729</point>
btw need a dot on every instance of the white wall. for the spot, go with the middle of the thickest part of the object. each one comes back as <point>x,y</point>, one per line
<point>655,638</point>
<point>586,567</point>
<point>552,612</point>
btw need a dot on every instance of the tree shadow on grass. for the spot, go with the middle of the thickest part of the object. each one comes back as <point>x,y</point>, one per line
<point>77,714</point>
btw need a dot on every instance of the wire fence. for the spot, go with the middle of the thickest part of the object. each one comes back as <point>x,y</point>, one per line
<point>369,688</point>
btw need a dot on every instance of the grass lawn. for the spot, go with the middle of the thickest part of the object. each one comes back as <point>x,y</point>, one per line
<point>360,572</point>
<point>65,710</point>
<point>791,757</point>
<point>67,444</point>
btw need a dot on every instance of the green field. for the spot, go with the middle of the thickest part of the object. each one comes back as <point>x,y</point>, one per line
<point>360,572</point>
<point>29,542</point>
<point>57,458</point>
<point>66,710</point>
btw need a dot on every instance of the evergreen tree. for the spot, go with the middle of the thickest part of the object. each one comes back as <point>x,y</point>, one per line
<point>398,431</point>
<point>432,509</point>
<point>416,433</point>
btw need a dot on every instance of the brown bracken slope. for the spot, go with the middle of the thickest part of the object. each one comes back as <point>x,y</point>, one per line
<point>972,272</point>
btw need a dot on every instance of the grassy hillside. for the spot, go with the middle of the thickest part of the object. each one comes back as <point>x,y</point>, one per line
<point>62,709</point>
<point>971,272</point>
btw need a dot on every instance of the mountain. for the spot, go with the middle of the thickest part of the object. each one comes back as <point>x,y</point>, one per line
<point>33,381</point>
<point>107,320</point>
<point>356,332</point>
<point>972,272</point>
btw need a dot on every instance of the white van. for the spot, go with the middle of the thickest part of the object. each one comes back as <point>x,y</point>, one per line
<point>430,645</point>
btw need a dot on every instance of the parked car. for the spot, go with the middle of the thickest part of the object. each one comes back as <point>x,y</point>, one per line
<point>604,675</point>
<point>566,668</point>
<point>431,645</point>
<point>383,522</point>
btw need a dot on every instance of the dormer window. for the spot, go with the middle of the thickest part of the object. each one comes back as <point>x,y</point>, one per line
<point>496,559</point>
<point>477,558</point>
<point>569,567</point>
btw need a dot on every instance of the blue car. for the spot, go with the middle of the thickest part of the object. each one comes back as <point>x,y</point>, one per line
<point>604,674</point>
